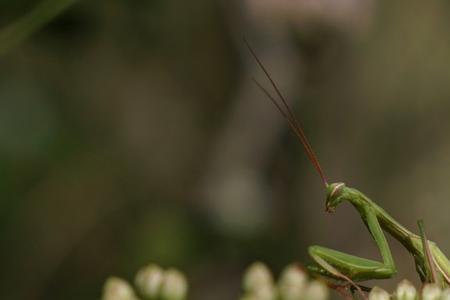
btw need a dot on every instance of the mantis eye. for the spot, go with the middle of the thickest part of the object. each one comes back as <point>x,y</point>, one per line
<point>336,189</point>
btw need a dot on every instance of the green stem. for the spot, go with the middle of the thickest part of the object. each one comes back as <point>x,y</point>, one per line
<point>18,31</point>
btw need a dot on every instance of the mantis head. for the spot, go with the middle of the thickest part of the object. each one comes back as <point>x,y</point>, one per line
<point>336,193</point>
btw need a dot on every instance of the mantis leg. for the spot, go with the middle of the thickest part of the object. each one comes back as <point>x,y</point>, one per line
<point>428,269</point>
<point>340,265</point>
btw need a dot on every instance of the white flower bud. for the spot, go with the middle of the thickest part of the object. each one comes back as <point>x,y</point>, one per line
<point>292,283</point>
<point>265,292</point>
<point>117,289</point>
<point>445,294</point>
<point>378,293</point>
<point>316,290</point>
<point>431,291</point>
<point>149,280</point>
<point>249,297</point>
<point>256,277</point>
<point>174,286</point>
<point>406,291</point>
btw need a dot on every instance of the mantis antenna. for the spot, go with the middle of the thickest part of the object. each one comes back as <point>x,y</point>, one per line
<point>288,114</point>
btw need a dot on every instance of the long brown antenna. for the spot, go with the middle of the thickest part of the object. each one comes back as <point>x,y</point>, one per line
<point>288,115</point>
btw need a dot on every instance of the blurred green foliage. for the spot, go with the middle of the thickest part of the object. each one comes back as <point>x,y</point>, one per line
<point>110,112</point>
<point>13,34</point>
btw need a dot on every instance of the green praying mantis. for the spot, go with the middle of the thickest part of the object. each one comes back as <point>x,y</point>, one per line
<point>431,264</point>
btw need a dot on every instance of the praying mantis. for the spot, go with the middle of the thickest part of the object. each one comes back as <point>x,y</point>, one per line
<point>431,264</point>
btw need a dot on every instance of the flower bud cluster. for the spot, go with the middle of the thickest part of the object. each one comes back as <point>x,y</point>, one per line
<point>154,283</point>
<point>406,291</point>
<point>151,282</point>
<point>293,284</point>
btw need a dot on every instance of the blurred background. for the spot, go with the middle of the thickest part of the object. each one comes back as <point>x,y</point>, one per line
<point>131,132</point>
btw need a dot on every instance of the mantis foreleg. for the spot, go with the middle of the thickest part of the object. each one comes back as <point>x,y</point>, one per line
<point>353,267</point>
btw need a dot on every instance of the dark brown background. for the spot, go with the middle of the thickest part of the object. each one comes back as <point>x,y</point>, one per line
<point>130,132</point>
